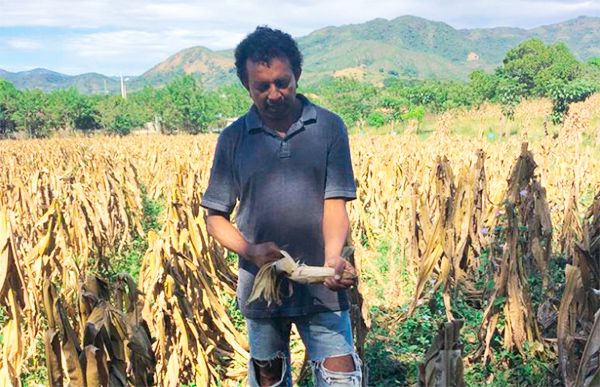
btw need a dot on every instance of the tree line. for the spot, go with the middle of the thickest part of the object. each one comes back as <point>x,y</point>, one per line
<point>182,105</point>
<point>530,70</point>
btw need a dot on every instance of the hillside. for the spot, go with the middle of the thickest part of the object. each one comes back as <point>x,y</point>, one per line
<point>46,80</point>
<point>215,67</point>
<point>406,47</point>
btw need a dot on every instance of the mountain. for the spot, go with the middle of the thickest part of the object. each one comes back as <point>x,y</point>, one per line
<point>407,47</point>
<point>410,46</point>
<point>581,35</point>
<point>46,80</point>
<point>215,67</point>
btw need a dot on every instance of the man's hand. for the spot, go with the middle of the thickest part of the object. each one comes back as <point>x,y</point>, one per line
<point>263,253</point>
<point>337,282</point>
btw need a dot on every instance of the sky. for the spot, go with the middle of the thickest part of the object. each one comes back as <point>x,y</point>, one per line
<point>128,37</point>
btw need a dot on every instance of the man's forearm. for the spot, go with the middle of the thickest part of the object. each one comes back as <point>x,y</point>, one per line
<point>335,226</point>
<point>220,228</point>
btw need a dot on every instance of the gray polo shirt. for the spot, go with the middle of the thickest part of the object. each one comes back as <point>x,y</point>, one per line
<point>281,185</point>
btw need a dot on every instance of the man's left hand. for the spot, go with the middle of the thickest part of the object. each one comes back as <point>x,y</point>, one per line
<point>338,282</point>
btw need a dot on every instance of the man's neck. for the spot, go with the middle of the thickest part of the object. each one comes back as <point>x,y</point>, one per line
<point>282,126</point>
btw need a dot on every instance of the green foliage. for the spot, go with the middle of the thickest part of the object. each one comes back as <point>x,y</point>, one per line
<point>236,316</point>
<point>416,113</point>
<point>531,69</point>
<point>509,94</point>
<point>483,85</point>
<point>129,260</point>
<point>185,106</point>
<point>376,119</point>
<point>8,105</point>
<point>594,62</point>
<point>152,211</point>
<point>563,94</point>
<point>351,99</point>
<point>37,373</point>
<point>231,100</point>
<point>534,69</point>
<point>70,110</point>
<point>182,105</point>
<point>30,116</point>
<point>118,116</point>
<point>532,65</point>
<point>400,346</point>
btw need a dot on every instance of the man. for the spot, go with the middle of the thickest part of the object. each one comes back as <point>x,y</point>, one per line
<point>287,161</point>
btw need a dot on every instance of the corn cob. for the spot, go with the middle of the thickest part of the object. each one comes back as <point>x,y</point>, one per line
<point>268,280</point>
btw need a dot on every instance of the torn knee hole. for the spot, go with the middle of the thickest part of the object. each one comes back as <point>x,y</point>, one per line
<point>267,363</point>
<point>342,363</point>
<point>270,370</point>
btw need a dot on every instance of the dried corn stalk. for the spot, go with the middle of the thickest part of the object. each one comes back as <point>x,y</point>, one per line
<point>580,303</point>
<point>588,374</point>
<point>115,350</point>
<point>522,242</point>
<point>70,202</point>
<point>449,231</point>
<point>443,365</point>
<point>185,304</point>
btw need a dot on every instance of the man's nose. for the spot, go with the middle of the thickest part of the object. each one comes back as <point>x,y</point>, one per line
<point>274,93</point>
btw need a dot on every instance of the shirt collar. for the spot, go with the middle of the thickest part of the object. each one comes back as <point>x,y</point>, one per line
<point>309,113</point>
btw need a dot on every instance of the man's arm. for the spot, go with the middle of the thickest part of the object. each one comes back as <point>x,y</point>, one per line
<point>220,228</point>
<point>335,231</point>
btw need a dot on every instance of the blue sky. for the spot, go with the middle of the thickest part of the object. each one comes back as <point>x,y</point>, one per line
<point>130,36</point>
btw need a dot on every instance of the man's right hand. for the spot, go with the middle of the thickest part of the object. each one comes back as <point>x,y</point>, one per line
<point>263,253</point>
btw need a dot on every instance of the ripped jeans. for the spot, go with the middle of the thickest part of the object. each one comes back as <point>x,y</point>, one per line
<point>325,335</point>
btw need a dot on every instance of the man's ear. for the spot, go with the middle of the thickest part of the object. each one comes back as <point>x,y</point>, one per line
<point>298,76</point>
<point>245,84</point>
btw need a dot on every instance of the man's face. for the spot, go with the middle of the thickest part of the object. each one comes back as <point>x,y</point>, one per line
<point>272,87</point>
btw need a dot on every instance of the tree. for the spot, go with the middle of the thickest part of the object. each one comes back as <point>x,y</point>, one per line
<point>117,115</point>
<point>8,102</point>
<point>509,93</point>
<point>594,62</point>
<point>30,114</point>
<point>376,119</point>
<point>232,100</point>
<point>70,110</point>
<point>348,97</point>
<point>484,86</point>
<point>563,94</point>
<point>533,66</point>
<point>185,106</point>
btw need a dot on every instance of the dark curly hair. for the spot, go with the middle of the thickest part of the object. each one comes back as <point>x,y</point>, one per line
<point>264,44</point>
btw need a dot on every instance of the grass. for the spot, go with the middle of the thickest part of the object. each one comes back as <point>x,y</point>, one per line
<point>36,374</point>
<point>395,347</point>
<point>129,260</point>
<point>530,117</point>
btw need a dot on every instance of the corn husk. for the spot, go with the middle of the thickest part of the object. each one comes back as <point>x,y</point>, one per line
<point>267,283</point>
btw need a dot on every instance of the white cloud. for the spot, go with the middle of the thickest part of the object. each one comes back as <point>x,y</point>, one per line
<point>133,52</point>
<point>144,43</point>
<point>299,17</point>
<point>23,44</point>
<point>141,33</point>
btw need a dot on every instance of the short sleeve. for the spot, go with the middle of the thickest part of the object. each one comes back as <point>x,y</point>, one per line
<point>339,181</point>
<point>221,192</point>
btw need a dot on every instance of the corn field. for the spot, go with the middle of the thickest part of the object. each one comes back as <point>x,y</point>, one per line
<point>68,206</point>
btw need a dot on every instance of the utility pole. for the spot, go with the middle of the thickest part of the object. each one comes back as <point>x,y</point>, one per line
<point>123,89</point>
